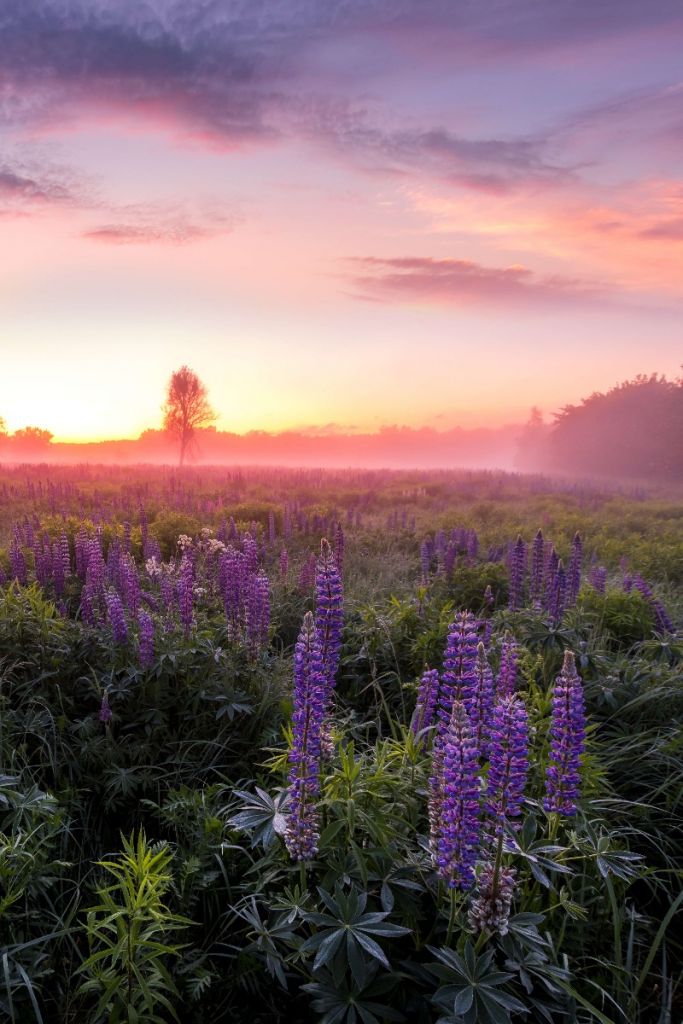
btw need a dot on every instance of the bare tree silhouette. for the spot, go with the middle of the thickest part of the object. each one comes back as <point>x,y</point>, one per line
<point>186,408</point>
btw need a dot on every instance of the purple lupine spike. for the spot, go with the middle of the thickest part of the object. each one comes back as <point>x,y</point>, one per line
<point>126,536</point>
<point>146,639</point>
<point>426,558</point>
<point>284,565</point>
<point>339,545</point>
<point>130,583</point>
<point>574,570</point>
<point>490,909</point>
<point>509,763</point>
<point>105,714</point>
<point>457,836</point>
<point>185,593</point>
<point>250,550</point>
<point>329,611</point>
<point>479,700</point>
<point>506,682</point>
<point>449,559</point>
<point>558,601</point>
<point>597,577</point>
<point>518,559</point>
<point>307,574</point>
<point>425,706</point>
<point>549,579</point>
<point>472,545</point>
<point>662,621</point>
<point>258,611</point>
<point>17,562</point>
<point>537,568</point>
<point>458,675</point>
<point>116,616</point>
<point>567,740</point>
<point>302,831</point>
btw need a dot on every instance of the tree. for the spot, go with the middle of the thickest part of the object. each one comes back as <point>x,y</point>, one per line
<point>186,408</point>
<point>32,438</point>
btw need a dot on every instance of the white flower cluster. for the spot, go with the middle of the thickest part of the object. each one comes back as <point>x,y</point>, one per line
<point>184,542</point>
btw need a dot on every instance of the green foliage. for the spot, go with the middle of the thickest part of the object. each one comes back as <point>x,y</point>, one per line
<point>128,932</point>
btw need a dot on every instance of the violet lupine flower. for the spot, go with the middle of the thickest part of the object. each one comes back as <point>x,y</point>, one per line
<point>284,564</point>
<point>458,675</point>
<point>105,714</point>
<point>307,573</point>
<point>339,545</point>
<point>549,577</point>
<point>490,909</point>
<point>116,616</point>
<point>662,621</point>
<point>185,596</point>
<point>258,611</point>
<point>450,558</point>
<point>302,831</point>
<point>457,825</point>
<point>250,551</point>
<point>508,763</point>
<point>425,706</point>
<point>426,558</point>
<point>146,639</point>
<point>479,700</point>
<point>558,599</point>
<point>537,567</point>
<point>506,682</point>
<point>518,558</point>
<point>329,613</point>
<point>17,562</point>
<point>567,739</point>
<point>574,570</point>
<point>130,583</point>
<point>597,577</point>
<point>472,545</point>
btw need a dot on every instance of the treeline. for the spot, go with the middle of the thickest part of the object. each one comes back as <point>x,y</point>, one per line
<point>632,431</point>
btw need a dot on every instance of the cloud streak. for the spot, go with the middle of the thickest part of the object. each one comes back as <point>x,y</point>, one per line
<point>456,282</point>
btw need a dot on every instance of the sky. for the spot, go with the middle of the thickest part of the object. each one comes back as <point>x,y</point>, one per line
<point>342,214</point>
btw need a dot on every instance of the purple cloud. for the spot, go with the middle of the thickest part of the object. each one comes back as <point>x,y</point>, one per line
<point>460,282</point>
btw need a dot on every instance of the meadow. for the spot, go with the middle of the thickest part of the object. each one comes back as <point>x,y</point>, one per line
<point>350,746</point>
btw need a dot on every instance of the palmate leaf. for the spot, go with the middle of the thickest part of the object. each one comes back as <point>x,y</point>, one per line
<point>346,933</point>
<point>339,1002</point>
<point>262,815</point>
<point>472,991</point>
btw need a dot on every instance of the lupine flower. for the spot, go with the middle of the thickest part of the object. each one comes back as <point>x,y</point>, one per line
<point>490,909</point>
<point>567,738</point>
<point>508,763</point>
<point>146,639</point>
<point>558,598</point>
<point>479,699</point>
<point>284,564</point>
<point>457,824</point>
<point>506,682</point>
<point>329,614</point>
<point>426,558</point>
<point>597,577</point>
<point>185,593</point>
<point>258,611</point>
<point>339,545</point>
<point>458,675</point>
<point>537,566</point>
<point>307,574</point>
<point>116,616</point>
<point>662,620</point>
<point>518,560</point>
<point>17,562</point>
<point>105,714</point>
<point>302,831</point>
<point>574,571</point>
<point>425,706</point>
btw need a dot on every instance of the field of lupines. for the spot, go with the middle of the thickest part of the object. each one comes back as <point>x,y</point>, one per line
<point>338,747</point>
